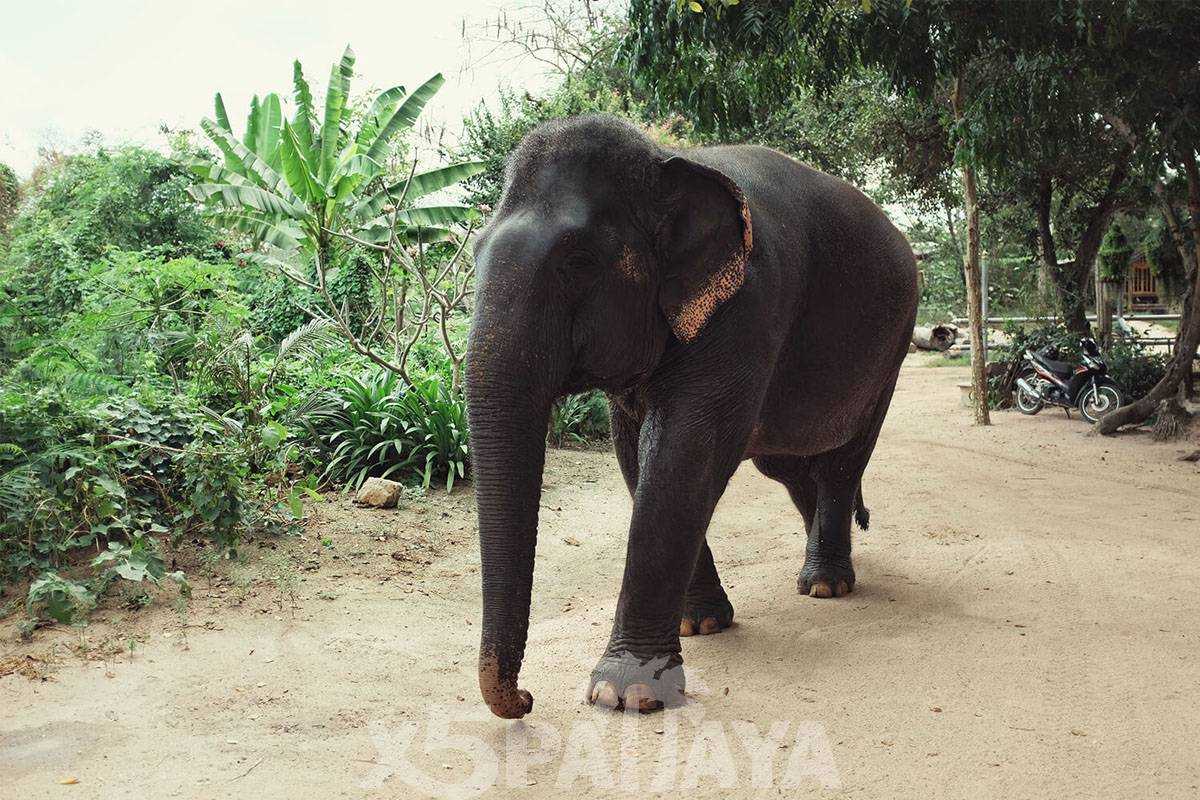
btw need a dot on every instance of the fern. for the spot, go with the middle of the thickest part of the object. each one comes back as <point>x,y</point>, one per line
<point>17,485</point>
<point>309,339</point>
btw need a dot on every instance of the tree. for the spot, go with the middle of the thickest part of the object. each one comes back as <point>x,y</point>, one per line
<point>1156,108</point>
<point>319,198</point>
<point>1042,140</point>
<point>1025,99</point>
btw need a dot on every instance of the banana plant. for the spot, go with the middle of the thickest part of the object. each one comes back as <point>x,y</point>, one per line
<point>295,185</point>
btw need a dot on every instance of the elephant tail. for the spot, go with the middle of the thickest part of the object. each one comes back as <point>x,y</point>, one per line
<point>862,514</point>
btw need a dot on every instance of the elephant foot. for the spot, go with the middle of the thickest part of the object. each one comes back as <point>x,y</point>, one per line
<point>625,681</point>
<point>701,618</point>
<point>825,580</point>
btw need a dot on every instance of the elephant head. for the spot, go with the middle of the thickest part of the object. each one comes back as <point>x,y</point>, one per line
<point>605,251</point>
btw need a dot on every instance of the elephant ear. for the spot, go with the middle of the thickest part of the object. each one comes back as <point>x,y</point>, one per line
<point>705,238</point>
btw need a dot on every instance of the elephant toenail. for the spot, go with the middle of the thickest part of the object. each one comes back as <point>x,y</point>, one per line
<point>843,588</point>
<point>820,589</point>
<point>605,694</point>
<point>686,627</point>
<point>641,697</point>
<point>709,625</point>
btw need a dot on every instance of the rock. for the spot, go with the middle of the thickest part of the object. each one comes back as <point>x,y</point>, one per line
<point>378,493</point>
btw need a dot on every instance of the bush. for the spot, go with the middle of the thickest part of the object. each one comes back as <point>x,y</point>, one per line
<point>377,427</point>
<point>579,418</point>
<point>139,408</point>
<point>1135,368</point>
<point>121,476</point>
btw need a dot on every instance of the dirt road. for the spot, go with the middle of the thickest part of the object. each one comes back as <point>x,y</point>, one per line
<point>1026,624</point>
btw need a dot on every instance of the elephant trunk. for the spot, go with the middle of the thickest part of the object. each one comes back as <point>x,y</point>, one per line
<point>508,444</point>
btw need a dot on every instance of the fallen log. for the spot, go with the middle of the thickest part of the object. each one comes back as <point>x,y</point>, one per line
<point>937,337</point>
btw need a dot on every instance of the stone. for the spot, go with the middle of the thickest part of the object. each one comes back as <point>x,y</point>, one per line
<point>378,493</point>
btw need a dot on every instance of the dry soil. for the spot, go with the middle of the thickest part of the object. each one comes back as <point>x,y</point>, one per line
<point>1026,624</point>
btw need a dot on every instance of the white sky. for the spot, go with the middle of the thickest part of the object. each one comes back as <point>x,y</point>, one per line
<point>123,67</point>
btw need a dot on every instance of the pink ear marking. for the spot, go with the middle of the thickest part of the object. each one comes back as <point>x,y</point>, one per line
<point>689,317</point>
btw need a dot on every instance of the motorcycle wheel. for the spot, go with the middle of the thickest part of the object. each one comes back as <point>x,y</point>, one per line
<point>1025,402</point>
<point>1094,408</point>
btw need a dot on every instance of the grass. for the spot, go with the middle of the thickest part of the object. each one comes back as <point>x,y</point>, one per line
<point>959,360</point>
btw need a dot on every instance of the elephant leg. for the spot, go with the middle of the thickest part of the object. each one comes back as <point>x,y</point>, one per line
<point>837,480</point>
<point>683,472</point>
<point>706,607</point>
<point>625,421</point>
<point>820,497</point>
<point>827,570</point>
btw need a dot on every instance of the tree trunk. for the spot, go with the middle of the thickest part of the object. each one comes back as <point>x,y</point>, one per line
<point>958,255</point>
<point>1172,420</point>
<point>979,387</point>
<point>1071,280</point>
<point>1104,311</point>
<point>1189,326</point>
<point>1067,291</point>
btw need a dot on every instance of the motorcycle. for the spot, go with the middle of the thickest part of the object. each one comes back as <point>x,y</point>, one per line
<point>1045,380</point>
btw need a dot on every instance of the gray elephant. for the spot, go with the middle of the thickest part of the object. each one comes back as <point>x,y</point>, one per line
<point>734,304</point>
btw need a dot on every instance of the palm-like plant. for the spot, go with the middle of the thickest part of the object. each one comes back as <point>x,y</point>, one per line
<point>302,186</point>
<point>295,184</point>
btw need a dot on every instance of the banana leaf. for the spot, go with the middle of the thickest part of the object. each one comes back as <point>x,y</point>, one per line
<point>404,116</point>
<point>420,185</point>
<point>297,170</point>
<point>381,110</point>
<point>244,196</point>
<point>248,139</point>
<point>335,105</point>
<point>303,123</point>
<point>221,114</point>
<point>437,216</point>
<point>270,121</point>
<point>247,162</point>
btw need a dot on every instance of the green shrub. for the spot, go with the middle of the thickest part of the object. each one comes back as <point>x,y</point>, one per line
<point>1134,367</point>
<point>579,418</point>
<point>60,599</point>
<point>377,427</point>
<point>438,418</point>
<point>120,476</point>
<point>362,431</point>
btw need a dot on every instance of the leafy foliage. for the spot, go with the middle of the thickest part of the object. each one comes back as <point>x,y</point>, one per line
<point>579,418</point>
<point>292,183</point>
<point>378,427</point>
<point>1115,254</point>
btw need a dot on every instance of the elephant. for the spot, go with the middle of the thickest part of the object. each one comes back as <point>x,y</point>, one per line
<point>733,304</point>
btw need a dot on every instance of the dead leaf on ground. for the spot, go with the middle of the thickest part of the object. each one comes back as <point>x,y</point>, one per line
<point>26,666</point>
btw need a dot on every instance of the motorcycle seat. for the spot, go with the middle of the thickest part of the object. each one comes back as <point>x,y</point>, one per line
<point>1060,368</point>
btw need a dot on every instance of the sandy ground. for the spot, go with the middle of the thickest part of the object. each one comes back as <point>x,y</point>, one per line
<point>1025,625</point>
